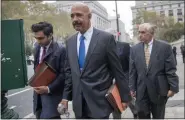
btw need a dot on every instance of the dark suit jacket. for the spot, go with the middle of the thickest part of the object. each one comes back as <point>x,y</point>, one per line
<point>55,56</point>
<point>159,77</point>
<point>123,49</point>
<point>96,78</point>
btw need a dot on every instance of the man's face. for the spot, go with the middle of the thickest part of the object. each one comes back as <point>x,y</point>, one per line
<point>144,35</point>
<point>42,39</point>
<point>80,18</point>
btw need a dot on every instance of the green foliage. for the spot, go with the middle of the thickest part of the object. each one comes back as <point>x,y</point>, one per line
<point>167,29</point>
<point>35,11</point>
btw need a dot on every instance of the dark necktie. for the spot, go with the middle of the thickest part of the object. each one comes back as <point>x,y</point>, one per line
<point>81,57</point>
<point>43,53</point>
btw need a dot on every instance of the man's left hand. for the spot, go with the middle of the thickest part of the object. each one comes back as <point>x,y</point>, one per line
<point>124,106</point>
<point>170,93</point>
<point>41,89</point>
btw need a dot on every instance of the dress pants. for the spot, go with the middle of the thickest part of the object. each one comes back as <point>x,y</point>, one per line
<point>86,111</point>
<point>38,113</point>
<point>147,107</point>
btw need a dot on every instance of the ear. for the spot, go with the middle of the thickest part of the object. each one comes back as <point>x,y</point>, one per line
<point>50,36</point>
<point>90,15</point>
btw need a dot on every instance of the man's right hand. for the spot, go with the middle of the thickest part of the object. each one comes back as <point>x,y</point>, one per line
<point>64,103</point>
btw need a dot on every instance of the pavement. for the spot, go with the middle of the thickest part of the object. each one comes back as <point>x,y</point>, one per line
<point>21,100</point>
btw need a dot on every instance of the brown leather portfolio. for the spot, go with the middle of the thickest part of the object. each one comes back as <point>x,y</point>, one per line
<point>113,96</point>
<point>44,75</point>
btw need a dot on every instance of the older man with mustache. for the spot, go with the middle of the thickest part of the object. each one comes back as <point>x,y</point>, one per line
<point>91,59</point>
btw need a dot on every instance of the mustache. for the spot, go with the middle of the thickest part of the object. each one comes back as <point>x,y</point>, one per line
<point>77,23</point>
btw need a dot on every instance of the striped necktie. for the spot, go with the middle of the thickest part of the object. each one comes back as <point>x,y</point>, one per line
<point>147,54</point>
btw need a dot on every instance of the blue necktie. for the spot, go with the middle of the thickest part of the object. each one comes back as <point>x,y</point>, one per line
<point>81,57</point>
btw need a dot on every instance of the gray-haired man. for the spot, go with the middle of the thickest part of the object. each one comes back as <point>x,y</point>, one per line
<point>152,77</point>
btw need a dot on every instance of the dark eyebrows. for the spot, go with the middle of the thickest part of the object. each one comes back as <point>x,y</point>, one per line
<point>142,32</point>
<point>77,14</point>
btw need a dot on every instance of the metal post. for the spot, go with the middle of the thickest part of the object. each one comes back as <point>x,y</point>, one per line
<point>117,19</point>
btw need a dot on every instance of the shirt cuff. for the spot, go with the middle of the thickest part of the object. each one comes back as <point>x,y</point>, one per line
<point>48,89</point>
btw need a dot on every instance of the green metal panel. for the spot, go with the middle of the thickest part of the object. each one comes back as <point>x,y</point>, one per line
<point>13,62</point>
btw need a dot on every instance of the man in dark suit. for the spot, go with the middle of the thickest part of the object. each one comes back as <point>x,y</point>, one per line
<point>46,98</point>
<point>91,59</point>
<point>152,74</point>
<point>123,50</point>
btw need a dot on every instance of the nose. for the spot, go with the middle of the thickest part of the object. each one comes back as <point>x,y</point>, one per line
<point>140,35</point>
<point>75,18</point>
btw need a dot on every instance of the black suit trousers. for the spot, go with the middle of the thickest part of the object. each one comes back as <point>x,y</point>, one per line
<point>86,111</point>
<point>146,107</point>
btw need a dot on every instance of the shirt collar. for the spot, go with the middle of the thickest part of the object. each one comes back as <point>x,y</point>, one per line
<point>47,45</point>
<point>88,33</point>
<point>151,42</point>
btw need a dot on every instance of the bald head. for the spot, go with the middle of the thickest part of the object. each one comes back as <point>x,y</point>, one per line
<point>81,17</point>
<point>82,6</point>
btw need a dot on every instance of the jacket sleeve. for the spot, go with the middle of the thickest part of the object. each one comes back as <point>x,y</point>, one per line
<point>59,81</point>
<point>115,66</point>
<point>170,70</point>
<point>132,72</point>
<point>67,93</point>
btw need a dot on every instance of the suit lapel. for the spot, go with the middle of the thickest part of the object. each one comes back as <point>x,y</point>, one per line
<point>142,55</point>
<point>153,55</point>
<point>50,50</point>
<point>36,55</point>
<point>75,53</point>
<point>92,45</point>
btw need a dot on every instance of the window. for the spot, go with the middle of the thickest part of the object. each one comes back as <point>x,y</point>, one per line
<point>179,11</point>
<point>153,8</point>
<point>179,5</point>
<point>170,6</point>
<point>161,7</point>
<point>162,13</point>
<point>170,13</point>
<point>180,20</point>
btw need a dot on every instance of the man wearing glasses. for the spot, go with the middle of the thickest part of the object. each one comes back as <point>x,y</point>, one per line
<point>46,98</point>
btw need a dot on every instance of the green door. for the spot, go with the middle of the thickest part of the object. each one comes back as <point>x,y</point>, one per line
<point>13,62</point>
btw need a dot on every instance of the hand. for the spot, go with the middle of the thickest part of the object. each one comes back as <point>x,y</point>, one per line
<point>170,93</point>
<point>41,89</point>
<point>124,106</point>
<point>64,103</point>
<point>133,94</point>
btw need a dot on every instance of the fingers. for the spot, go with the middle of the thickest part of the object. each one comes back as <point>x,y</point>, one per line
<point>65,103</point>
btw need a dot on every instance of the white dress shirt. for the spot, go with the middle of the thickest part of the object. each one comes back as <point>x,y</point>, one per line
<point>88,36</point>
<point>150,46</point>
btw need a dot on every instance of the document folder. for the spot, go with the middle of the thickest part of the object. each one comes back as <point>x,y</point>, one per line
<point>44,75</point>
<point>113,96</point>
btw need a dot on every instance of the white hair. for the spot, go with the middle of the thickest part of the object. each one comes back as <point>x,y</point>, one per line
<point>149,27</point>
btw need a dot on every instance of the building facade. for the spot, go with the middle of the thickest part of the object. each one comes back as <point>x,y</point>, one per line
<point>168,8</point>
<point>124,37</point>
<point>99,13</point>
<point>173,9</point>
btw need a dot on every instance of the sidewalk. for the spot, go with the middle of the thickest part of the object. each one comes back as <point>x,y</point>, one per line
<point>174,107</point>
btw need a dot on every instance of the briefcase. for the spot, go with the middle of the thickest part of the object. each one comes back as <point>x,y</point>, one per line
<point>113,96</point>
<point>44,75</point>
